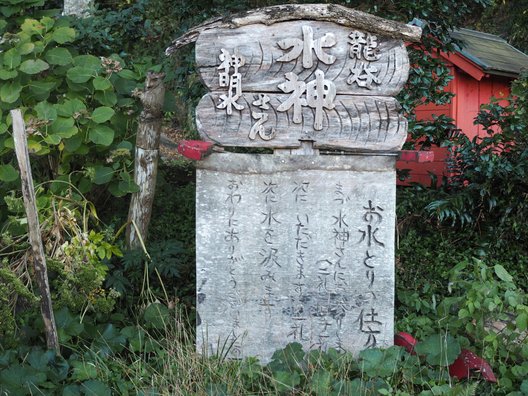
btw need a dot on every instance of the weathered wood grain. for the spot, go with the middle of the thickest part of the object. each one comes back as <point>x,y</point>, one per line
<point>37,248</point>
<point>264,68</point>
<point>146,159</point>
<point>290,12</point>
<point>355,123</point>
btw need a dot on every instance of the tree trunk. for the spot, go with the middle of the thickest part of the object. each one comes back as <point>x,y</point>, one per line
<point>39,260</point>
<point>146,159</point>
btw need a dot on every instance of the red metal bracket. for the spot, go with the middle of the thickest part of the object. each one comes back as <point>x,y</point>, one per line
<point>195,149</point>
<point>416,156</point>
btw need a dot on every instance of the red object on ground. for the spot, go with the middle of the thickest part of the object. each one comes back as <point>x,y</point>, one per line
<point>405,340</point>
<point>195,149</point>
<point>467,362</point>
<point>416,156</point>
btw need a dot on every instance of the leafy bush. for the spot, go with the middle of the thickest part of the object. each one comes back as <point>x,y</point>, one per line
<point>489,190</point>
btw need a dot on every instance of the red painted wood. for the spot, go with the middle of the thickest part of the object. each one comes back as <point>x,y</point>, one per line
<point>468,363</point>
<point>465,64</point>
<point>195,149</point>
<point>416,156</point>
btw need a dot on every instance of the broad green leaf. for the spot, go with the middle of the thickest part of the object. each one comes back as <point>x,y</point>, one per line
<point>7,74</point>
<point>320,382</point>
<point>102,114</point>
<point>156,316</point>
<point>47,22</point>
<point>72,144</point>
<point>101,134</point>
<point>128,186</point>
<point>83,370</point>
<point>439,350</point>
<point>79,74</point>
<point>68,324</point>
<point>33,66</point>
<point>59,56</point>
<point>52,139</point>
<point>21,376</point>
<point>12,58</point>
<point>63,35</point>
<point>33,145</point>
<point>32,26</point>
<point>127,74</point>
<point>46,111</point>
<point>522,321</point>
<point>378,363</point>
<point>26,48</point>
<point>524,387</point>
<point>8,173</point>
<point>64,127</point>
<point>103,174</point>
<point>95,388</point>
<point>61,124</point>
<point>101,83</point>
<point>70,107</point>
<point>10,92</point>
<point>41,89</point>
<point>502,274</point>
<point>124,86</point>
<point>106,98</point>
<point>286,381</point>
<point>110,339</point>
<point>71,390</point>
<point>89,62</point>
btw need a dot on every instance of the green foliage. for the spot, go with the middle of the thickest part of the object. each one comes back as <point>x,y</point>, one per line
<point>489,189</point>
<point>74,104</point>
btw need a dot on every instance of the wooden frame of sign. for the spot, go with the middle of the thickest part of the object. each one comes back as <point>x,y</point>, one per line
<point>298,247</point>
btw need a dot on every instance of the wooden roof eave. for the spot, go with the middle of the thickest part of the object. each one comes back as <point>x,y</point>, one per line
<point>321,12</point>
<point>465,64</point>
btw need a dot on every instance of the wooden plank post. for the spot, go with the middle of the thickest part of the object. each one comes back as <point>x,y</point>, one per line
<point>39,259</point>
<point>146,159</point>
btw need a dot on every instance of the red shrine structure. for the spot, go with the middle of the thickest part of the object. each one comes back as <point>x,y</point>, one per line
<point>482,69</point>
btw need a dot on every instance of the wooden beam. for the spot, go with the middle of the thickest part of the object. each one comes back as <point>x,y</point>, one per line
<point>30,204</point>
<point>316,12</point>
<point>146,159</point>
<point>416,156</point>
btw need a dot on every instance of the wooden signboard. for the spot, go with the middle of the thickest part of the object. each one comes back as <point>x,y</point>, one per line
<point>355,61</point>
<point>298,248</point>
<point>274,86</point>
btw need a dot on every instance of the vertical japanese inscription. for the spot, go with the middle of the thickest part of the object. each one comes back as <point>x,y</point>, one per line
<point>299,330</point>
<point>269,259</point>
<point>302,256</point>
<point>234,261</point>
<point>363,48</point>
<point>320,93</point>
<point>369,324</point>
<point>232,81</point>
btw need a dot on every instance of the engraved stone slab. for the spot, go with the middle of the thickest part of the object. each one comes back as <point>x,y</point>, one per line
<point>362,123</point>
<point>294,249</point>
<point>357,62</point>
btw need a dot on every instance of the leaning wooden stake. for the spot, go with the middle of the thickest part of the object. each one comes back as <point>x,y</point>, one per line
<point>146,159</point>
<point>39,260</point>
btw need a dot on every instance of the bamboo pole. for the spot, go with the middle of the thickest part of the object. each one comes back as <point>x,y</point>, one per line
<point>39,259</point>
<point>146,159</point>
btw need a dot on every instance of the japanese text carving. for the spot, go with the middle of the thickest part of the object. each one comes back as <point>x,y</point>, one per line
<point>363,46</point>
<point>320,94</point>
<point>233,81</point>
<point>306,46</point>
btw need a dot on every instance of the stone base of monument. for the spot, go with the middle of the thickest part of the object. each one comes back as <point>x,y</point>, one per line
<point>294,249</point>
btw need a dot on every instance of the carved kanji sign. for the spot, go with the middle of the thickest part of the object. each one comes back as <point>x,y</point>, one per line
<point>296,246</point>
<point>274,85</point>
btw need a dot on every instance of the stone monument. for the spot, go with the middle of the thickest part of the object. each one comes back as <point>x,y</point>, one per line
<point>298,245</point>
